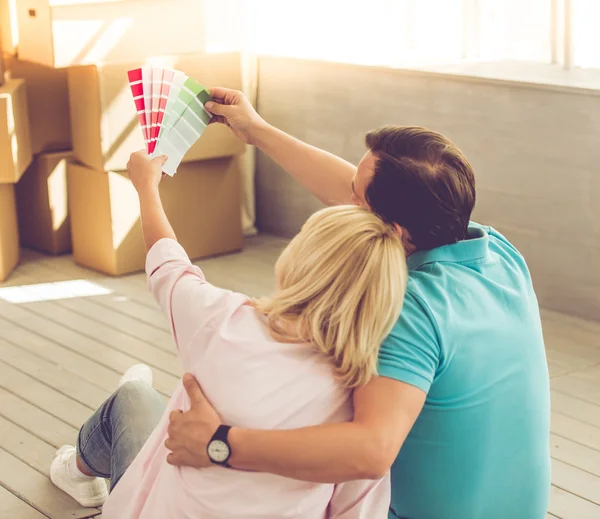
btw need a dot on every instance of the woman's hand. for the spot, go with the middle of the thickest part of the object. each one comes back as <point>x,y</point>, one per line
<point>190,432</point>
<point>232,108</point>
<point>145,173</point>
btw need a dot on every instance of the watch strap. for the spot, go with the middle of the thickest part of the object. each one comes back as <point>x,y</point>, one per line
<point>221,435</point>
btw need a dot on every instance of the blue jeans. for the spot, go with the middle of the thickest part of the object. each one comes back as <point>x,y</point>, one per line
<point>114,435</point>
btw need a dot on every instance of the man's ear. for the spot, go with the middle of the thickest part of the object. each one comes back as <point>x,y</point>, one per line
<point>404,235</point>
<point>400,231</point>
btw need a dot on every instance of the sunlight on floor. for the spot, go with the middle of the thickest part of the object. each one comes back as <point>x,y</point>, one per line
<point>52,291</point>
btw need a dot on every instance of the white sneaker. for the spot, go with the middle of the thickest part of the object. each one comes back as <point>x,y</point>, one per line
<point>89,492</point>
<point>137,372</point>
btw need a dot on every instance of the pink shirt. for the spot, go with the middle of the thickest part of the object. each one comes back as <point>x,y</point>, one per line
<point>253,382</point>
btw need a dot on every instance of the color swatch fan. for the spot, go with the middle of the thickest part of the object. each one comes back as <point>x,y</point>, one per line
<point>170,107</point>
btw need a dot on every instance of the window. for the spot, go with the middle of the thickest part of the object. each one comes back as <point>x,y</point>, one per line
<point>586,33</point>
<point>395,32</point>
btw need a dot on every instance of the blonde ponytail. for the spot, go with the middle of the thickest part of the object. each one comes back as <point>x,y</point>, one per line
<point>341,282</point>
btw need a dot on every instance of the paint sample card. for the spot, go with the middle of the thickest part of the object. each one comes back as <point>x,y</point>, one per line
<point>137,91</point>
<point>179,78</point>
<point>165,90</point>
<point>147,86</point>
<point>156,92</point>
<point>171,112</point>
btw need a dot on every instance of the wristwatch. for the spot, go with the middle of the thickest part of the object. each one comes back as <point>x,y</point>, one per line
<point>218,448</point>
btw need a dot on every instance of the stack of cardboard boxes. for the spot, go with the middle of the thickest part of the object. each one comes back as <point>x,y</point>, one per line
<point>82,129</point>
<point>1,54</point>
<point>202,201</point>
<point>42,192</point>
<point>15,157</point>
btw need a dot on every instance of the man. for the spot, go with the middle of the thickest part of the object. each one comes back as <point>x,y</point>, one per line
<point>460,410</point>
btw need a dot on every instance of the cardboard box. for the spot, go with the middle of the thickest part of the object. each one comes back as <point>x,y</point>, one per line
<point>47,102</point>
<point>104,122</point>
<point>15,141</point>
<point>203,203</point>
<point>9,233</point>
<point>2,24</point>
<point>78,32</point>
<point>6,35</point>
<point>42,204</point>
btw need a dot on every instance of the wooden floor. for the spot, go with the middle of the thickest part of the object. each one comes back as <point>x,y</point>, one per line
<point>60,358</point>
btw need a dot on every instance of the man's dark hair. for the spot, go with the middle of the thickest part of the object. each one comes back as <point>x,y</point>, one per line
<point>422,182</point>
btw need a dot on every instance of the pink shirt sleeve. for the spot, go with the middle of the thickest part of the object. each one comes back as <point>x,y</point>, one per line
<point>191,304</point>
<point>364,499</point>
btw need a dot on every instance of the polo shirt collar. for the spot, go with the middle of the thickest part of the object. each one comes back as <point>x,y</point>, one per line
<point>473,249</point>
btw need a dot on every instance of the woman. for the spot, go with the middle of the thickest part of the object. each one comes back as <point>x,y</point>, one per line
<point>296,357</point>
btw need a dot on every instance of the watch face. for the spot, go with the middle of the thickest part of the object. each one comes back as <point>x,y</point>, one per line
<point>218,451</point>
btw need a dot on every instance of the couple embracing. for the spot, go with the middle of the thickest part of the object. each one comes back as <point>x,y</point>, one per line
<point>398,369</point>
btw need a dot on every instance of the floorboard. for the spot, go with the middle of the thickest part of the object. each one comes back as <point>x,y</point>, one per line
<point>577,387</point>
<point>576,481</point>
<point>565,505</point>
<point>575,430</point>
<point>30,318</point>
<point>37,490</point>
<point>12,506</point>
<point>53,375</point>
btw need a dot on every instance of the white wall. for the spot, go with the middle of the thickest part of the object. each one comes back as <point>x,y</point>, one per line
<point>535,152</point>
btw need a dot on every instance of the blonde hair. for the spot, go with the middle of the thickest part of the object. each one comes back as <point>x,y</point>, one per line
<point>341,284</point>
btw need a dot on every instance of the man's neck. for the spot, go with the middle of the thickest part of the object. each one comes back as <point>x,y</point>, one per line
<point>409,248</point>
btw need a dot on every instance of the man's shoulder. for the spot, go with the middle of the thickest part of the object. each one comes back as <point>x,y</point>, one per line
<point>417,306</point>
<point>411,351</point>
<point>426,284</point>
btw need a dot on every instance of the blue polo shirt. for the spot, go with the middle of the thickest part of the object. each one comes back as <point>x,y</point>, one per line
<point>470,336</point>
